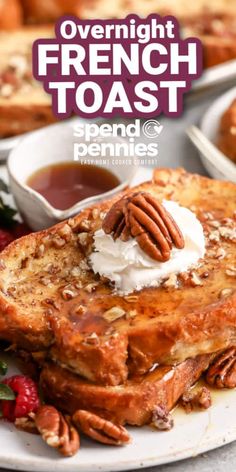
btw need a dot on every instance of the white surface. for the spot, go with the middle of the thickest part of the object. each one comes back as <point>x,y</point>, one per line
<point>210,127</point>
<point>126,264</point>
<point>192,435</point>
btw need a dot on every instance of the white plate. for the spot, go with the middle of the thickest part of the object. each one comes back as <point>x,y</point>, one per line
<point>215,75</point>
<point>210,126</point>
<point>193,434</point>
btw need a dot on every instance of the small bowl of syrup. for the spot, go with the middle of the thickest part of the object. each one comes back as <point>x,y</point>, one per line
<point>49,186</point>
<point>65,184</point>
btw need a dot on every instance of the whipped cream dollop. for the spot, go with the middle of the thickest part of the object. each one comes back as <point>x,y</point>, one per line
<point>130,268</point>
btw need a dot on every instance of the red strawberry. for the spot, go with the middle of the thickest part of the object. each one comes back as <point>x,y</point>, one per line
<point>27,398</point>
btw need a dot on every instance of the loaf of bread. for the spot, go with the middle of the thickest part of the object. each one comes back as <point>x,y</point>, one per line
<point>217,32</point>
<point>46,11</point>
<point>180,8</point>
<point>24,106</point>
<point>11,14</point>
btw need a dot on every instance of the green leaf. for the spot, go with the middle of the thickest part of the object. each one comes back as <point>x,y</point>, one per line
<point>3,368</point>
<point>6,214</point>
<point>6,393</point>
<point>3,187</point>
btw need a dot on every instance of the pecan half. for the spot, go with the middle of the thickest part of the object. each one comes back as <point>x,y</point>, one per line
<point>99,429</point>
<point>57,431</point>
<point>142,217</point>
<point>196,400</point>
<point>222,372</point>
<point>114,222</point>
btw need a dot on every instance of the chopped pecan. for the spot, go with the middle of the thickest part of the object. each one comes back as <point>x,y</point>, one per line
<point>91,287</point>
<point>131,298</point>
<point>222,372</point>
<point>57,431</point>
<point>226,292</point>
<point>68,292</point>
<point>2,264</point>
<point>196,400</point>
<point>83,238</point>
<point>113,314</point>
<point>162,419</point>
<point>40,250</point>
<point>65,232</point>
<point>141,216</point>
<point>171,282</point>
<point>99,429</point>
<point>195,280</point>
<point>231,271</point>
<point>58,242</point>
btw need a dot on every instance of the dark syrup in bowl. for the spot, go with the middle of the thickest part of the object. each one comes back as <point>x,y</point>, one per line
<point>65,184</point>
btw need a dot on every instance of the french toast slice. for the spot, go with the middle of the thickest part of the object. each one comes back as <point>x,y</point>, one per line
<point>217,32</point>
<point>132,403</point>
<point>24,105</point>
<point>51,300</point>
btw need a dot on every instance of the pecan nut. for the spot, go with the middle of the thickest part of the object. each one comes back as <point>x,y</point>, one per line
<point>142,217</point>
<point>222,372</point>
<point>114,222</point>
<point>57,431</point>
<point>196,400</point>
<point>162,419</point>
<point>27,424</point>
<point>99,429</point>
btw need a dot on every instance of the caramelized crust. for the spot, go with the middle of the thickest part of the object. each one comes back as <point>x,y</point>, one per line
<point>134,402</point>
<point>51,300</point>
<point>18,119</point>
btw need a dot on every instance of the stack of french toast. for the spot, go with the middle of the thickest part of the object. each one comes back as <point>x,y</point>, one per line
<point>24,105</point>
<point>123,357</point>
